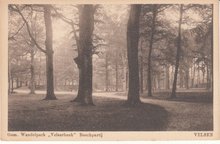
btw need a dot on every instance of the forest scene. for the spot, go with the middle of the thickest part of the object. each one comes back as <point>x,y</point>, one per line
<point>102,67</point>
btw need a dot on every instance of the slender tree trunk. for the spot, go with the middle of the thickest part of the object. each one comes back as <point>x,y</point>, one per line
<point>198,76</point>
<point>203,76</point>
<point>212,49</point>
<point>207,77</point>
<point>173,94</point>
<point>187,79</point>
<point>141,69</point>
<point>124,70</point>
<point>194,74</point>
<point>158,81</point>
<point>132,52</point>
<point>180,78</point>
<point>9,79</point>
<point>167,78</point>
<point>17,84</point>
<point>49,54</point>
<point>106,73</point>
<point>12,84</point>
<point>116,73</point>
<point>149,78</point>
<point>32,80</point>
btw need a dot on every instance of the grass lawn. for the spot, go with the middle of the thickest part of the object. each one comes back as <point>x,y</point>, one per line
<point>31,113</point>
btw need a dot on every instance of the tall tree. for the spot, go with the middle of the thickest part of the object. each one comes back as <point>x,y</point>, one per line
<point>32,80</point>
<point>153,30</point>
<point>154,11</point>
<point>132,52</point>
<point>173,94</point>
<point>82,9</point>
<point>86,23</point>
<point>49,53</point>
<point>141,61</point>
<point>48,44</point>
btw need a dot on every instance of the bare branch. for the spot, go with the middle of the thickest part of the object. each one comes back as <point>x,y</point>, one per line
<point>28,29</point>
<point>71,23</point>
<point>163,8</point>
<point>13,36</point>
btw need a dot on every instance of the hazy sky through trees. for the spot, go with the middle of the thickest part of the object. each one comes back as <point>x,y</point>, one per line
<point>119,13</point>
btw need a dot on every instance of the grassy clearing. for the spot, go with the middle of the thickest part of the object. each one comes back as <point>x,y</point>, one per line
<point>31,113</point>
<point>186,116</point>
<point>190,111</point>
<point>28,112</point>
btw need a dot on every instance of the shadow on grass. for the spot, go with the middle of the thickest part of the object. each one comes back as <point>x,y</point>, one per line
<point>195,97</point>
<point>108,115</point>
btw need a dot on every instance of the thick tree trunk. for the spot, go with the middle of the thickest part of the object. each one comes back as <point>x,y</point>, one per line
<point>79,96</point>
<point>126,79</point>
<point>173,94</point>
<point>86,23</point>
<point>149,78</point>
<point>49,54</point>
<point>132,52</point>
<point>32,80</point>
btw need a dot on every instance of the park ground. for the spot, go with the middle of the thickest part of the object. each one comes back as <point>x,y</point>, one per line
<point>191,111</point>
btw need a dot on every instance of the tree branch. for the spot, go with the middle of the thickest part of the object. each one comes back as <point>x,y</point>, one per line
<point>28,29</point>
<point>13,36</point>
<point>71,23</point>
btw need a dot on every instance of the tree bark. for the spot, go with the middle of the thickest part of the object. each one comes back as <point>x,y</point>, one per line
<point>212,50</point>
<point>149,77</point>
<point>106,73</point>
<point>198,76</point>
<point>158,81</point>
<point>9,79</point>
<point>32,80</point>
<point>49,54</point>
<point>86,23</point>
<point>141,69</point>
<point>167,78</point>
<point>17,82</point>
<point>173,94</point>
<point>207,77</point>
<point>181,80</point>
<point>132,52</point>
<point>12,84</point>
<point>116,73</point>
<point>187,79</point>
<point>194,74</point>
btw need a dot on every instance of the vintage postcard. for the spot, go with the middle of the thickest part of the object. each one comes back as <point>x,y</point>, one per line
<point>109,70</point>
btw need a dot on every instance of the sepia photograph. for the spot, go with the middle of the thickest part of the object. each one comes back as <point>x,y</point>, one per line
<point>94,68</point>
